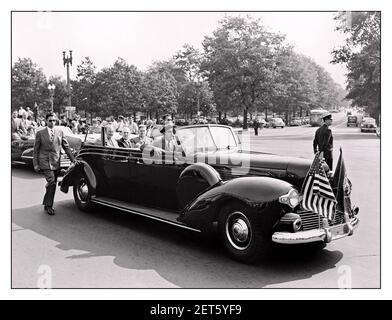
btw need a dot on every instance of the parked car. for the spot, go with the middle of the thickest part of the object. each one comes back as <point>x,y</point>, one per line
<point>276,123</point>
<point>22,150</point>
<point>295,122</point>
<point>368,125</point>
<point>352,121</point>
<point>251,199</point>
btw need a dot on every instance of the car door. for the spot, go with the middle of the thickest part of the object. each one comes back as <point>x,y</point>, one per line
<point>154,182</point>
<point>116,163</point>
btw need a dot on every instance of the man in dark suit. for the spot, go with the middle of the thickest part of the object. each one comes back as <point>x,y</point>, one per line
<point>142,139</point>
<point>323,140</point>
<point>125,141</point>
<point>47,149</point>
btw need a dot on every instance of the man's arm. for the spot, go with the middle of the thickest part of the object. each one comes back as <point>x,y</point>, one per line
<point>37,146</point>
<point>65,145</point>
<point>315,143</point>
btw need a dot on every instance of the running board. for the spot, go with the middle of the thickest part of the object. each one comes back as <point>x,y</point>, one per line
<point>155,214</point>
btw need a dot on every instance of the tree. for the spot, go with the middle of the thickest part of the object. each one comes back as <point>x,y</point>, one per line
<point>60,93</point>
<point>160,91</point>
<point>84,91</point>
<point>361,54</point>
<point>118,89</point>
<point>195,95</point>
<point>240,61</point>
<point>28,84</point>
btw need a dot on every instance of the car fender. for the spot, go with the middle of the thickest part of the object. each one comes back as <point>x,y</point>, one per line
<point>258,193</point>
<point>73,172</point>
<point>195,179</point>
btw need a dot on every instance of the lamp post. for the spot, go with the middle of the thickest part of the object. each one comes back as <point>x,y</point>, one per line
<point>198,87</point>
<point>67,60</point>
<point>51,88</point>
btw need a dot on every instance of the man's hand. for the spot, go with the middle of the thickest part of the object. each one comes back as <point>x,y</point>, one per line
<point>321,155</point>
<point>157,151</point>
<point>37,168</point>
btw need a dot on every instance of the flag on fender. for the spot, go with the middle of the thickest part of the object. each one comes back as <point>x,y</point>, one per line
<point>317,191</point>
<point>339,182</point>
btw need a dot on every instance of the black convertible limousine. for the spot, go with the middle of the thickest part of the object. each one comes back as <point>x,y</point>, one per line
<point>251,199</point>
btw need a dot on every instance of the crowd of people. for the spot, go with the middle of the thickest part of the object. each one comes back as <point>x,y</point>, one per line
<point>158,139</point>
<point>25,124</point>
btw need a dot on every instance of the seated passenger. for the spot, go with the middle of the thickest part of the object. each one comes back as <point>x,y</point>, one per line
<point>168,142</point>
<point>109,141</point>
<point>125,141</point>
<point>142,139</point>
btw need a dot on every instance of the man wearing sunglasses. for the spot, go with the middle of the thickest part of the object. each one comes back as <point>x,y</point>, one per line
<point>47,150</point>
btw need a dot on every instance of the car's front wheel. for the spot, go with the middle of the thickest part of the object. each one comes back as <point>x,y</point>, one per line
<point>82,192</point>
<point>243,234</point>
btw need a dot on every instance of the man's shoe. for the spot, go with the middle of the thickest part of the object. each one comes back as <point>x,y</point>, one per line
<point>49,210</point>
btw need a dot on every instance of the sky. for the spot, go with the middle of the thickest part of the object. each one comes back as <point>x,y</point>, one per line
<point>143,37</point>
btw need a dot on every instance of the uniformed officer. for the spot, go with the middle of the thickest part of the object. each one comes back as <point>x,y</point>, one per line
<point>323,140</point>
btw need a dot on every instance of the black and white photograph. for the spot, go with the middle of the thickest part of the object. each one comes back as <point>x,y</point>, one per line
<point>195,149</point>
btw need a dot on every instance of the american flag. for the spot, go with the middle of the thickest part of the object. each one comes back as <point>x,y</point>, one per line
<point>317,192</point>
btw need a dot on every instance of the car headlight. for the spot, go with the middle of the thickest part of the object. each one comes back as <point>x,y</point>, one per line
<point>292,198</point>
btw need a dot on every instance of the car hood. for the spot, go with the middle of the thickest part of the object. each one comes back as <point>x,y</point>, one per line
<point>252,163</point>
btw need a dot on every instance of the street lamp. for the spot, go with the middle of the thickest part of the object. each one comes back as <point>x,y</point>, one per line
<point>67,60</point>
<point>51,88</point>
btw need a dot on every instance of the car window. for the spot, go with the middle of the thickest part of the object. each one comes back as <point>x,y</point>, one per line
<point>195,139</point>
<point>223,137</point>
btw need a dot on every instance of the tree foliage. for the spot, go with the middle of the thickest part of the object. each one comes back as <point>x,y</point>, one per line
<point>28,84</point>
<point>240,62</point>
<point>161,88</point>
<point>361,54</point>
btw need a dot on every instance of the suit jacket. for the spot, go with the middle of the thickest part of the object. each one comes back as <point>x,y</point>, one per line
<point>170,146</point>
<point>138,142</point>
<point>124,144</point>
<point>323,141</point>
<point>47,153</point>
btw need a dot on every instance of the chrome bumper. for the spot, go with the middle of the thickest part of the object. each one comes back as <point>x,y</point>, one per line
<point>326,234</point>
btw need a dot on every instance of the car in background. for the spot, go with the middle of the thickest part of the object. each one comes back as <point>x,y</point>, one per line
<point>352,121</point>
<point>295,122</point>
<point>369,125</point>
<point>22,150</point>
<point>276,123</point>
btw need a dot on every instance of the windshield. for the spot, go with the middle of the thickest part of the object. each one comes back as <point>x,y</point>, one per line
<point>223,137</point>
<point>195,139</point>
<point>202,139</point>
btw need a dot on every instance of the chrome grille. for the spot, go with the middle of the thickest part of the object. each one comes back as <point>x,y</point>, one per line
<point>310,220</point>
<point>338,219</point>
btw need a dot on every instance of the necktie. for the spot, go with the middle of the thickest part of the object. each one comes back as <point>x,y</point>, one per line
<point>51,134</point>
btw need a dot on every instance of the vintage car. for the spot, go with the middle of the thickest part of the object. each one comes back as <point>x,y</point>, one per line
<point>251,199</point>
<point>22,150</point>
<point>368,125</point>
<point>276,123</point>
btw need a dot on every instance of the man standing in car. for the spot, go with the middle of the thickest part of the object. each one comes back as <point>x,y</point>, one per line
<point>323,140</point>
<point>47,149</point>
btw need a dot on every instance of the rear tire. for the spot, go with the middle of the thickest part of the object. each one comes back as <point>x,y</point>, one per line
<point>82,193</point>
<point>242,233</point>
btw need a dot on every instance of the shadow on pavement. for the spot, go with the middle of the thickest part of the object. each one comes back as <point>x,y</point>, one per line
<point>24,171</point>
<point>184,258</point>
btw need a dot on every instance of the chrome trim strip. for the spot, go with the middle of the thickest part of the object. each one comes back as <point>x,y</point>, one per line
<point>142,214</point>
<point>313,235</point>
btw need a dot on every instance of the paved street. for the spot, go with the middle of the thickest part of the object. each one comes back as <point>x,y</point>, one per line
<point>110,249</point>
